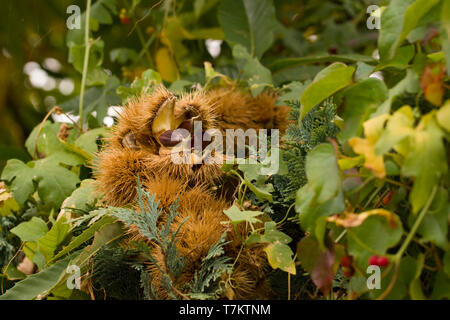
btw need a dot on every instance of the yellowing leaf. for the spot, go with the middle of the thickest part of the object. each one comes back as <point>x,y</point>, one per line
<point>166,65</point>
<point>424,160</point>
<point>399,127</point>
<point>432,83</point>
<point>372,161</point>
<point>365,147</point>
<point>280,255</point>
<point>351,220</point>
<point>443,116</point>
<point>7,203</point>
<point>348,163</point>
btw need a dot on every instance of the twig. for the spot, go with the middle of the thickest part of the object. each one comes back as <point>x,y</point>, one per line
<point>85,63</point>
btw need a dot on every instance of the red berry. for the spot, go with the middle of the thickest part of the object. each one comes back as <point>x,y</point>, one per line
<point>388,198</point>
<point>348,272</point>
<point>125,20</point>
<point>382,261</point>
<point>373,260</point>
<point>346,261</point>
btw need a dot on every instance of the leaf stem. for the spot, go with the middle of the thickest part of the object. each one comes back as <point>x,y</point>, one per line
<point>416,225</point>
<point>85,62</point>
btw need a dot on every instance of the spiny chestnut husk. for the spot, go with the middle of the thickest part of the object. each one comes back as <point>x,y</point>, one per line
<point>148,125</point>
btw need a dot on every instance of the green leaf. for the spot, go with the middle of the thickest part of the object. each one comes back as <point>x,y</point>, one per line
<point>257,75</point>
<point>392,22</point>
<point>415,287</point>
<point>12,273</point>
<point>256,181</point>
<point>202,6</point>
<point>31,230</point>
<point>361,100</point>
<point>22,185</point>
<point>434,227</point>
<point>446,262</point>
<point>363,70</point>
<point>441,289</point>
<point>88,140</point>
<point>140,85</point>
<point>48,141</point>
<point>398,127</point>
<point>77,51</point>
<point>413,15</point>
<point>37,284</point>
<point>424,161</point>
<point>322,195</point>
<point>84,197</point>
<point>53,238</point>
<point>408,84</point>
<point>309,212</point>
<point>55,183</point>
<point>279,254</point>
<point>102,11</point>
<point>237,216</point>
<point>85,236</point>
<point>327,82</point>
<point>249,23</point>
<point>295,90</point>
<point>287,63</point>
<point>406,275</point>
<point>400,60</point>
<point>317,262</point>
<point>322,172</point>
<point>97,99</point>
<point>123,55</point>
<point>106,233</point>
<point>179,86</point>
<point>373,236</point>
<point>271,235</point>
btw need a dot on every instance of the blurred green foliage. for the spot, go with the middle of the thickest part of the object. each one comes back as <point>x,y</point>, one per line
<point>168,36</point>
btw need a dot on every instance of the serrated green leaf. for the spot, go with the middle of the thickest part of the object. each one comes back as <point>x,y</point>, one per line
<point>31,230</point>
<point>257,75</point>
<point>97,99</point>
<point>237,216</point>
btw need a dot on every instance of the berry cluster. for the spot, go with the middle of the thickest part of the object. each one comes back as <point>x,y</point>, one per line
<point>378,261</point>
